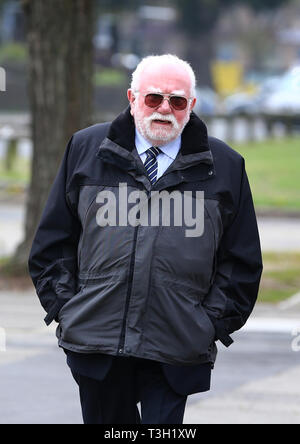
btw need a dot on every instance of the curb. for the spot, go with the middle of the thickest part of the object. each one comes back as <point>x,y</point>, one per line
<point>277,214</point>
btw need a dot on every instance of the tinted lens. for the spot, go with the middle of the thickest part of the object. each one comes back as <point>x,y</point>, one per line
<point>179,103</point>
<point>153,100</point>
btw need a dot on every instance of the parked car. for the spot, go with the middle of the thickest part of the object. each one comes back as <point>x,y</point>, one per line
<point>285,99</point>
<point>275,95</point>
<point>241,103</point>
<point>207,101</point>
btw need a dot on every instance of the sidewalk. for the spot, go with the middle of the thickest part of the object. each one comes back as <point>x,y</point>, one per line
<point>273,400</point>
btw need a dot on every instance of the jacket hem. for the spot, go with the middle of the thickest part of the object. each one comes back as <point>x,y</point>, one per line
<point>203,359</point>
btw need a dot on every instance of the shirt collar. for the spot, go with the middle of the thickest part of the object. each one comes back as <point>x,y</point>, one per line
<point>170,149</point>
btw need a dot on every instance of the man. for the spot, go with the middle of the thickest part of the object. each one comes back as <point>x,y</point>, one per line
<point>140,295</point>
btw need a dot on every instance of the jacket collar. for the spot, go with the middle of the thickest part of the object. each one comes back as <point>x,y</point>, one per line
<point>122,133</point>
<point>118,148</point>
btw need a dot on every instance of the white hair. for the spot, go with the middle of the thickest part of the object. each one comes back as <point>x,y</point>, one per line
<point>159,61</point>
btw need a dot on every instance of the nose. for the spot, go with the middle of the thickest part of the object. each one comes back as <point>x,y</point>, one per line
<point>165,107</point>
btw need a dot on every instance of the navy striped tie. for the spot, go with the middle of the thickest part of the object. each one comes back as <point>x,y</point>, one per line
<point>151,164</point>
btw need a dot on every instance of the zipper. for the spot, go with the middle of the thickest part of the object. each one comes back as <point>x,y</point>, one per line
<point>215,249</point>
<point>128,296</point>
<point>129,290</point>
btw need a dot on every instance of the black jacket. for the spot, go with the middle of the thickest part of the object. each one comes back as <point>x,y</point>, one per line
<point>147,291</point>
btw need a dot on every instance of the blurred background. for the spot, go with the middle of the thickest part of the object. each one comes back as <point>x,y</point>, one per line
<point>67,65</point>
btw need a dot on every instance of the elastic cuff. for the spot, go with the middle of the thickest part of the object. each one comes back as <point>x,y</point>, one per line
<point>221,334</point>
<point>52,313</point>
<point>225,339</point>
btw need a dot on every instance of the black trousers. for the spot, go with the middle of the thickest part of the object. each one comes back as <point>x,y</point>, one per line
<point>129,381</point>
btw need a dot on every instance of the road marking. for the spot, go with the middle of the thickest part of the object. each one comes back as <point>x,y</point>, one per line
<point>290,302</point>
<point>272,325</point>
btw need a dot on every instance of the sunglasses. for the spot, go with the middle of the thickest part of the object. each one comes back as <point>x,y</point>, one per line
<point>154,100</point>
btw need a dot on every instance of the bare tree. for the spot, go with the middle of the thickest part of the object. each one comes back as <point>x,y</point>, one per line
<point>59,35</point>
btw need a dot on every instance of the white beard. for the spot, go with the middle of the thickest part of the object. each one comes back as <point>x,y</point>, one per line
<point>162,135</point>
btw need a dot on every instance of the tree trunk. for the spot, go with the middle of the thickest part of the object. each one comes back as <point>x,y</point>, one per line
<point>11,154</point>
<point>59,35</point>
<point>201,60</point>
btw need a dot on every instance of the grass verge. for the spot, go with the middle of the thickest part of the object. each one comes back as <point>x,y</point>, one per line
<point>281,276</point>
<point>273,169</point>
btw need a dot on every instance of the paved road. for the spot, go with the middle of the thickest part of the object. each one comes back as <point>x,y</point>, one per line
<point>11,227</point>
<point>255,381</point>
<point>277,234</point>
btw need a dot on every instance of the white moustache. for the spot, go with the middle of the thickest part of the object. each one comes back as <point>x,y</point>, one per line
<point>164,117</point>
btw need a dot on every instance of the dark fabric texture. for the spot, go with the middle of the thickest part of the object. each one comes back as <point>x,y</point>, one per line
<point>183,380</point>
<point>129,381</point>
<point>149,292</point>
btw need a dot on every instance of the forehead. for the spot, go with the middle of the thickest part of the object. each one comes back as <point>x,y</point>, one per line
<point>165,78</point>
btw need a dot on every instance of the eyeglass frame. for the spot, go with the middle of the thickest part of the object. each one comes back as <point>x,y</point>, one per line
<point>188,99</point>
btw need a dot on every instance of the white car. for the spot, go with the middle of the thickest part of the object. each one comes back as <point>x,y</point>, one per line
<point>285,99</point>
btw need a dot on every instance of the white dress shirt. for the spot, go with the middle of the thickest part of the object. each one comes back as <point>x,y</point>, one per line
<point>165,158</point>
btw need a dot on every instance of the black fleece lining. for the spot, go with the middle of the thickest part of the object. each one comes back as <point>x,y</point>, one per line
<point>194,136</point>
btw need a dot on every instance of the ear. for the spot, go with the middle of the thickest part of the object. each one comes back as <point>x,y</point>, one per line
<point>193,103</point>
<point>131,96</point>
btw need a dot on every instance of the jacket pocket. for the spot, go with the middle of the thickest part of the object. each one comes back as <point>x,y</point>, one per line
<point>66,303</point>
<point>185,332</point>
<point>48,299</point>
<point>210,321</point>
<point>93,317</point>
